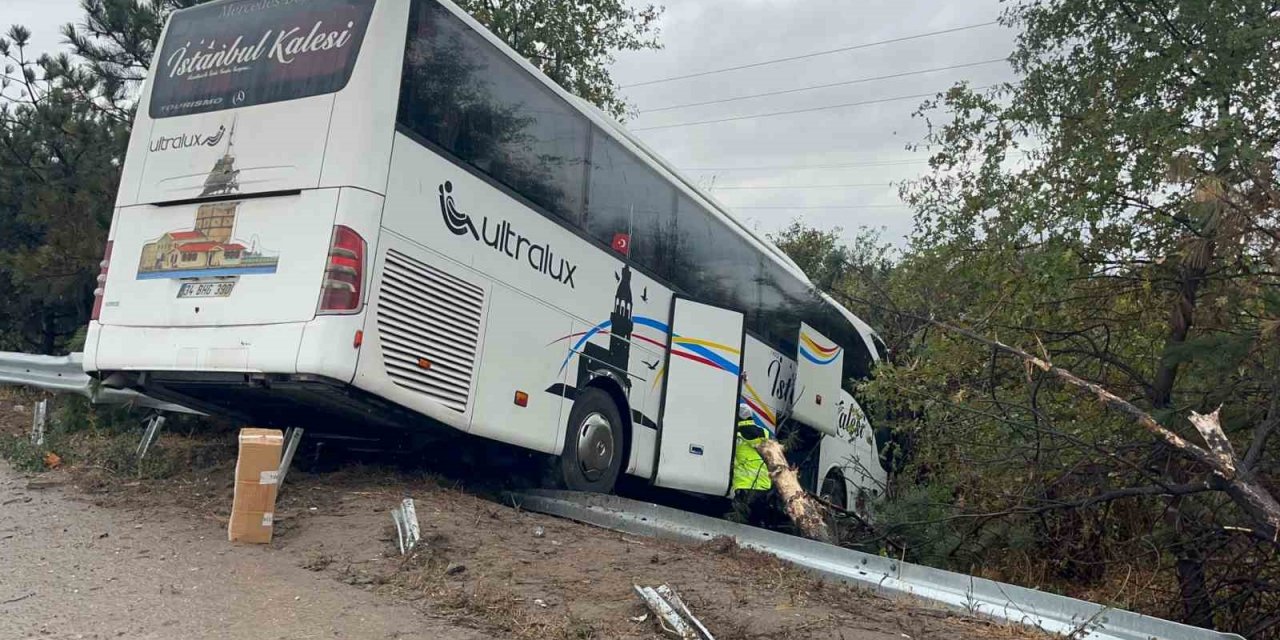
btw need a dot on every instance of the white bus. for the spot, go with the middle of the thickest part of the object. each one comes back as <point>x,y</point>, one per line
<point>342,212</point>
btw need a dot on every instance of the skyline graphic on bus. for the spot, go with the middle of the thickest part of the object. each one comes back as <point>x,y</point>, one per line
<point>595,360</point>
<point>210,247</point>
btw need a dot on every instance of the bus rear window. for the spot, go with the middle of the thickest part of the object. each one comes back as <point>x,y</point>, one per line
<point>240,53</point>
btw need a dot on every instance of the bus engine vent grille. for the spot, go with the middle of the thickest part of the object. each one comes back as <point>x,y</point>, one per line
<point>429,327</point>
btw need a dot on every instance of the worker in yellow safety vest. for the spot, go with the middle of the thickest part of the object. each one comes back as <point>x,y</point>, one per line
<point>751,483</point>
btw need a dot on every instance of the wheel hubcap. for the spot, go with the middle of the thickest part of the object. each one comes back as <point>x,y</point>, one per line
<point>595,446</point>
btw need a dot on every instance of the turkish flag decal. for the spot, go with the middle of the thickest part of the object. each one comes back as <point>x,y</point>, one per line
<point>622,243</point>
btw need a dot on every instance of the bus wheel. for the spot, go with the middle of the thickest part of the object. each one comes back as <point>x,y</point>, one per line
<point>592,456</point>
<point>833,491</point>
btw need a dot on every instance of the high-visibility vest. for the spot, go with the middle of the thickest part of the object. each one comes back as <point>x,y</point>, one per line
<point>749,470</point>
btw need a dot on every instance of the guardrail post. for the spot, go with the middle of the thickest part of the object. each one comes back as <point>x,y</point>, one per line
<point>292,437</point>
<point>154,423</point>
<point>39,422</point>
<point>408,531</point>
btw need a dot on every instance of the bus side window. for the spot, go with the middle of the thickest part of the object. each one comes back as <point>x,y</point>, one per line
<point>626,197</point>
<point>464,95</point>
<point>782,300</point>
<point>715,263</point>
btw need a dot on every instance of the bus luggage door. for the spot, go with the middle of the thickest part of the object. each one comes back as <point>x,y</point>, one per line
<point>701,388</point>
<point>819,365</point>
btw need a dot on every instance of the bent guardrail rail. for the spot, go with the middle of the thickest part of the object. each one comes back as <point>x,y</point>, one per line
<point>65,374</point>
<point>1047,611</point>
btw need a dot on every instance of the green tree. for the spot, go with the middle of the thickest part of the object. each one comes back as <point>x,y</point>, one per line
<point>59,161</point>
<point>1114,212</point>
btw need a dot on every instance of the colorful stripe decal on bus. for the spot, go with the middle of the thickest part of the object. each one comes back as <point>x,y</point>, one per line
<point>761,413</point>
<point>702,351</point>
<point>813,352</point>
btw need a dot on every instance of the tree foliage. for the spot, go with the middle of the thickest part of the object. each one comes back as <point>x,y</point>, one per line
<point>59,162</point>
<point>1113,212</point>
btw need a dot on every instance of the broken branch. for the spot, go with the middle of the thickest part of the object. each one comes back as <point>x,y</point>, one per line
<point>1220,457</point>
<point>797,504</point>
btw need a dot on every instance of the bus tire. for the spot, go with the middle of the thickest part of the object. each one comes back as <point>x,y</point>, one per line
<point>833,491</point>
<point>592,456</point>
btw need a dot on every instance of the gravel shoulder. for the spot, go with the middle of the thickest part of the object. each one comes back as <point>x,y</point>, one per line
<point>76,570</point>
<point>91,553</point>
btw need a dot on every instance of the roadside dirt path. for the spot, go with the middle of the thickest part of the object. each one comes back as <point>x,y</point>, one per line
<point>90,553</point>
<point>83,558</point>
<point>71,570</point>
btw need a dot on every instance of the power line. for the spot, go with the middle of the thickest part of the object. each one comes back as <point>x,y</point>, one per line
<point>890,163</point>
<point>808,186</point>
<point>795,111</point>
<point>827,86</point>
<point>789,167</point>
<point>810,55</point>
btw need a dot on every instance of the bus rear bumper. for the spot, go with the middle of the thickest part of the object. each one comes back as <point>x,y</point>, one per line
<point>320,347</point>
<point>287,374</point>
<point>269,348</point>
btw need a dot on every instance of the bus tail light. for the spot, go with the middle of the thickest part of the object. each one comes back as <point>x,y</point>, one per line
<point>343,273</point>
<point>101,287</point>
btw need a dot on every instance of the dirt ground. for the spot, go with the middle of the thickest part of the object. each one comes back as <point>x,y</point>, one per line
<point>88,553</point>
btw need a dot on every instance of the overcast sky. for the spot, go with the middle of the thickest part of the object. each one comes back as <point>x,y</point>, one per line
<point>705,35</point>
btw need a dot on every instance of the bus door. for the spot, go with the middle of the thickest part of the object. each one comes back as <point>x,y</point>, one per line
<point>701,388</point>
<point>819,365</point>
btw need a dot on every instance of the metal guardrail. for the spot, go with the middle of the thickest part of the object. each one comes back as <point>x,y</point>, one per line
<point>65,374</point>
<point>1046,611</point>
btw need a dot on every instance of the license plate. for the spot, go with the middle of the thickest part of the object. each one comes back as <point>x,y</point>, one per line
<point>206,289</point>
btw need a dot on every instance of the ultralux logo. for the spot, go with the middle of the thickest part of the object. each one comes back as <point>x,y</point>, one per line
<point>188,140</point>
<point>539,257</point>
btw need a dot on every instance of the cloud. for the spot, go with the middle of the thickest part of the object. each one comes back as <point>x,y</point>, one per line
<point>44,18</point>
<point>709,34</point>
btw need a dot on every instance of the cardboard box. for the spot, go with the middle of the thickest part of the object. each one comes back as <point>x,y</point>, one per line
<point>257,470</point>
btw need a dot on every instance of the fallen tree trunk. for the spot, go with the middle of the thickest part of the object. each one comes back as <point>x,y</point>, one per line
<point>798,505</point>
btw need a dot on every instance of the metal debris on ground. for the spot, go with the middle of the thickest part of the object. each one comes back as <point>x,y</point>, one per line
<point>154,423</point>
<point>39,418</point>
<point>678,603</point>
<point>407,530</point>
<point>672,614</point>
<point>292,437</point>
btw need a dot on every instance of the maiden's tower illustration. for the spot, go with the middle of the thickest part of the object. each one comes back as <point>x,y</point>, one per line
<point>210,247</point>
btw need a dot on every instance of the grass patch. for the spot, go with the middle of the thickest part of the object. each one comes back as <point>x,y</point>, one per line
<point>82,435</point>
<point>21,453</point>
